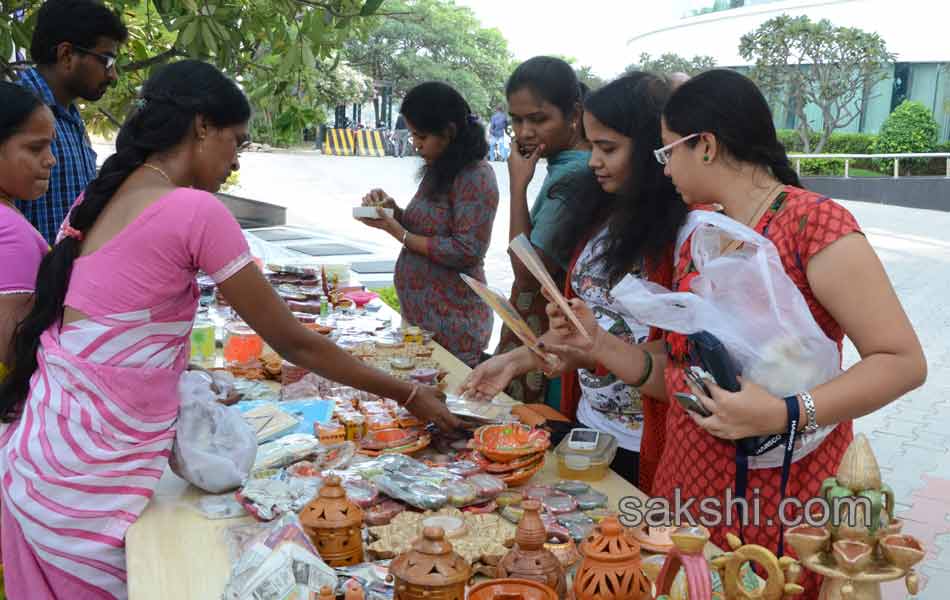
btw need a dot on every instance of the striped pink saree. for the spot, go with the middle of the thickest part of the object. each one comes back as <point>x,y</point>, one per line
<point>84,458</point>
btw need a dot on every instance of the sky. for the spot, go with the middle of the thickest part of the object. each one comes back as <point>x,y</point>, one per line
<point>595,32</point>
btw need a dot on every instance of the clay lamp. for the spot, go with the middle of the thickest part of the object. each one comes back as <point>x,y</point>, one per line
<point>431,570</point>
<point>335,525</point>
<point>326,593</point>
<point>529,559</point>
<point>902,551</point>
<point>611,567</point>
<point>511,589</point>
<point>852,556</point>
<point>562,545</point>
<point>687,552</point>
<point>808,540</point>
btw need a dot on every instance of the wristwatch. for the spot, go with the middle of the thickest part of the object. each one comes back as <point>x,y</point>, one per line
<point>811,426</point>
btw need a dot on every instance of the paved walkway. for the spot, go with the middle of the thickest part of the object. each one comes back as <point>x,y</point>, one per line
<point>911,436</point>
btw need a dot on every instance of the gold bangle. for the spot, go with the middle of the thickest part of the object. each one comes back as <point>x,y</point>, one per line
<point>412,396</point>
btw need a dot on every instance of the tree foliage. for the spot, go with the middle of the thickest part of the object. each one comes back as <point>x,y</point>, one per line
<point>798,62</point>
<point>427,40</point>
<point>285,53</point>
<point>910,128</point>
<point>669,63</point>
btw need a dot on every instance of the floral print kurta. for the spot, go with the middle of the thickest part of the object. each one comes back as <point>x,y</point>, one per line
<point>458,227</point>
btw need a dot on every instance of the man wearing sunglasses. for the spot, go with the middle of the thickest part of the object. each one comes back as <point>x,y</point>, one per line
<point>74,46</point>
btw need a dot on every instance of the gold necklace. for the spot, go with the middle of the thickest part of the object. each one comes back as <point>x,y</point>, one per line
<point>756,216</point>
<point>159,171</point>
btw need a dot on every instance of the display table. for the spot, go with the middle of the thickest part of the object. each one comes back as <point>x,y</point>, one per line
<point>173,551</point>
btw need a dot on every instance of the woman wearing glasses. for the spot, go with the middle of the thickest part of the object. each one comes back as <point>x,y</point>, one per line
<point>721,147</point>
<point>626,213</point>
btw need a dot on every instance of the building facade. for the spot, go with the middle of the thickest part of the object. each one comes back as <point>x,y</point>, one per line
<point>915,31</point>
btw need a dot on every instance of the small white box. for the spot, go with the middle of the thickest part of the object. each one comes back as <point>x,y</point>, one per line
<point>369,212</point>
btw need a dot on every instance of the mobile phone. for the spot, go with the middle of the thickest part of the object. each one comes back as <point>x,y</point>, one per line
<point>692,403</point>
<point>698,376</point>
<point>583,439</point>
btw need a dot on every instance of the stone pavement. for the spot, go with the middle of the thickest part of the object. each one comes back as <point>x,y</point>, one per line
<point>911,436</point>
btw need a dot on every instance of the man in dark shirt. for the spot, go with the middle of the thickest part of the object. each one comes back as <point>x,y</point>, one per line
<point>401,141</point>
<point>74,47</point>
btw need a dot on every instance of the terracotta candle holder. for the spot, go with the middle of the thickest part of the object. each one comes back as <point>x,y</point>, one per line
<point>334,525</point>
<point>431,570</point>
<point>611,567</point>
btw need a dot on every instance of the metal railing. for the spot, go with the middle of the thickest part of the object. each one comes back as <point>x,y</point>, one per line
<point>847,158</point>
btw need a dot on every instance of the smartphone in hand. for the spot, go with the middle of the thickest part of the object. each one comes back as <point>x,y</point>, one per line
<point>691,403</point>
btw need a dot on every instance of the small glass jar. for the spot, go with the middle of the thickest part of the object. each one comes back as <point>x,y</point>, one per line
<point>355,425</point>
<point>202,339</point>
<point>412,335</point>
<point>241,344</point>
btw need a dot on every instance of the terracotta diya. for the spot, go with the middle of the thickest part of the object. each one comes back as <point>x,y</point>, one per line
<point>654,539</point>
<point>506,442</point>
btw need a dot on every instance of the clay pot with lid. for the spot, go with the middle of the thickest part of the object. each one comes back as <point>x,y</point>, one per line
<point>511,589</point>
<point>431,570</point>
<point>611,567</point>
<point>335,525</point>
<point>529,559</point>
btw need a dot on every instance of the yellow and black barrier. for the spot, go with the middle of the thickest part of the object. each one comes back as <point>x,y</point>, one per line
<point>369,143</point>
<point>350,142</point>
<point>338,142</point>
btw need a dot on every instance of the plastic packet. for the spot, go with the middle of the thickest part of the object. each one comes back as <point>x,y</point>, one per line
<point>276,562</point>
<point>421,494</point>
<point>512,513</point>
<point>591,500</point>
<point>537,492</point>
<point>461,493</point>
<point>509,498</point>
<point>285,451</point>
<point>572,487</point>
<point>463,468</point>
<point>267,499</point>
<point>382,513</point>
<point>559,503</point>
<point>220,506</point>
<point>481,509</point>
<point>487,486</point>
<point>361,492</point>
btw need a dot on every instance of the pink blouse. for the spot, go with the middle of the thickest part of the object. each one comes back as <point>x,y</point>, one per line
<point>21,250</point>
<point>151,264</point>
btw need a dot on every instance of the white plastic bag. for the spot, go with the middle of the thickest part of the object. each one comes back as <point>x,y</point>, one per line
<point>214,446</point>
<point>747,300</point>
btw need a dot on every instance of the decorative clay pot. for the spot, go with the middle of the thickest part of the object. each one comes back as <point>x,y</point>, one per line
<point>431,570</point>
<point>334,525</point>
<point>529,559</point>
<point>611,567</point>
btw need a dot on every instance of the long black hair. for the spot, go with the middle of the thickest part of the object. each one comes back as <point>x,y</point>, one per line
<point>433,108</point>
<point>552,80</point>
<point>171,99</point>
<point>18,105</point>
<point>728,105</point>
<point>643,217</point>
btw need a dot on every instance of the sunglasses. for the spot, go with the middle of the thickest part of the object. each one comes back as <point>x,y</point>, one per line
<point>663,154</point>
<point>108,62</point>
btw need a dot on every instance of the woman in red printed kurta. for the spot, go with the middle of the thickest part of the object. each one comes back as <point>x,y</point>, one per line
<point>721,147</point>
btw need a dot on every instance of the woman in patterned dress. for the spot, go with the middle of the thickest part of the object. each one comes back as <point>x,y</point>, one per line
<point>446,228</point>
<point>721,147</point>
<point>624,219</point>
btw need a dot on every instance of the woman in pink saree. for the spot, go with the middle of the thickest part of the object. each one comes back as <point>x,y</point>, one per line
<point>92,393</point>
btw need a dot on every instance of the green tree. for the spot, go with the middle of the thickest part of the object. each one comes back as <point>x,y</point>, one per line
<point>910,128</point>
<point>669,63</point>
<point>435,40</point>
<point>798,63</point>
<point>285,53</point>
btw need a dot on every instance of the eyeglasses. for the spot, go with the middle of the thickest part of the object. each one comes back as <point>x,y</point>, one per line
<point>663,154</point>
<point>108,62</point>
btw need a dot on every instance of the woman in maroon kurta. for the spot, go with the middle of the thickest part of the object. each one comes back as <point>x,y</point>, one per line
<point>720,147</point>
<point>446,228</point>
